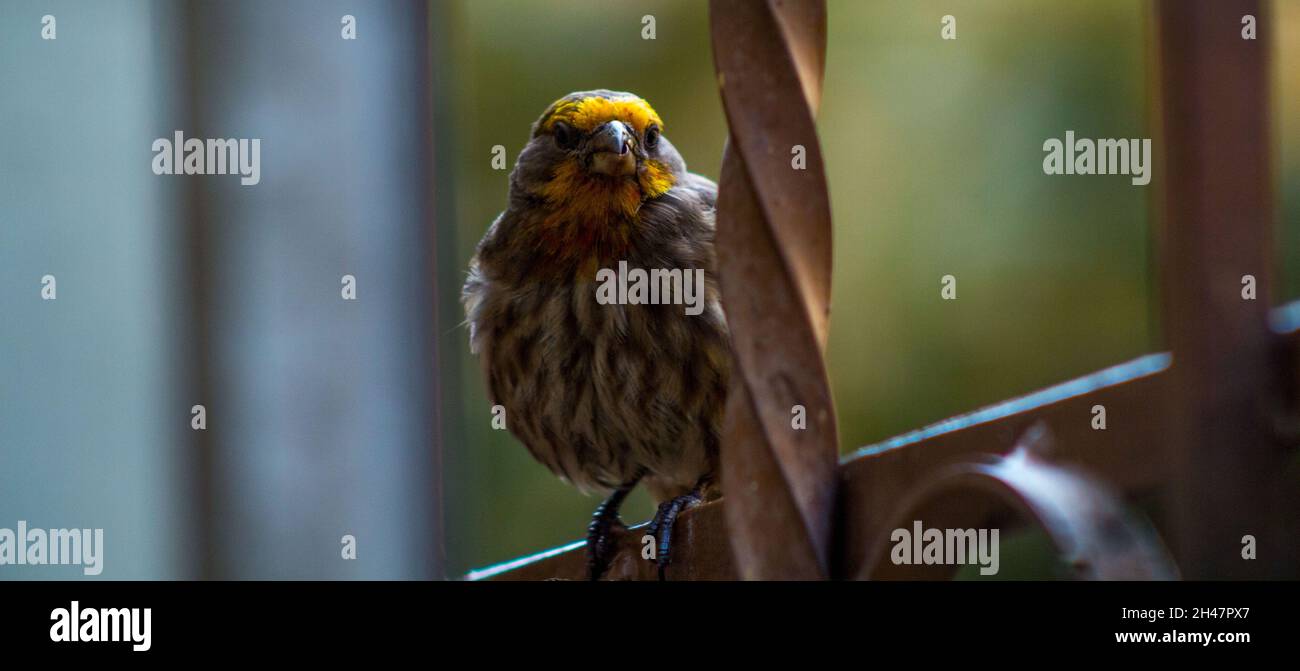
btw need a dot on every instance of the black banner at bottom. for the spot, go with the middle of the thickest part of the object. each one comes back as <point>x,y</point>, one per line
<point>531,621</point>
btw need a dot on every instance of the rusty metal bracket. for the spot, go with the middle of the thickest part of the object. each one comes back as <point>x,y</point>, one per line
<point>774,268</point>
<point>1088,524</point>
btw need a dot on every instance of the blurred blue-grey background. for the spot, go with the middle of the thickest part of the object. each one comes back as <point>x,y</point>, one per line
<point>329,417</point>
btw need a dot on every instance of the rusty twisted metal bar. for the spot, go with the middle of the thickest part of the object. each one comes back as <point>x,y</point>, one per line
<point>774,267</point>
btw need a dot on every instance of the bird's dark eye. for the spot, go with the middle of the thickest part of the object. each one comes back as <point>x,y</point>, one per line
<point>652,137</point>
<point>564,134</point>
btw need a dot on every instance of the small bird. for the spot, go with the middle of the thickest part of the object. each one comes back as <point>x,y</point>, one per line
<point>604,394</point>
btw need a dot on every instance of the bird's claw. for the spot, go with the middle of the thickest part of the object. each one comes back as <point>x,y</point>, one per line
<point>661,527</point>
<point>602,533</point>
<point>601,536</point>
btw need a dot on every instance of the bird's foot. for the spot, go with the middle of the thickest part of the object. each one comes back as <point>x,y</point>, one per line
<point>661,527</point>
<point>603,532</point>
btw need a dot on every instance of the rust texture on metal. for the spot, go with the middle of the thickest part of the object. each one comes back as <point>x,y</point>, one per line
<point>878,479</point>
<point>774,269</point>
<point>1215,228</point>
<point>1093,533</point>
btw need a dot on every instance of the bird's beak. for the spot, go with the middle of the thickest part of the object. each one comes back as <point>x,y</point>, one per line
<point>611,150</point>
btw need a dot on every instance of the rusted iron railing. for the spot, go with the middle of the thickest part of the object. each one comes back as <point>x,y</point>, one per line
<point>1209,428</point>
<point>774,267</point>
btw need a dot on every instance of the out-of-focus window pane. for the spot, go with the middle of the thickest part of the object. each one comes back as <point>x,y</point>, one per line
<point>90,434</point>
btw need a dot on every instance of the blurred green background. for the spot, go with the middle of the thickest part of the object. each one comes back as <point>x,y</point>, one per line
<point>934,152</point>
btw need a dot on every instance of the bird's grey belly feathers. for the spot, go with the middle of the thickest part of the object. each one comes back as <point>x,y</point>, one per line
<point>600,393</point>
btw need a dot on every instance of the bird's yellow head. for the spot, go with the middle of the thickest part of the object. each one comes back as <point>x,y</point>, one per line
<point>593,160</point>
